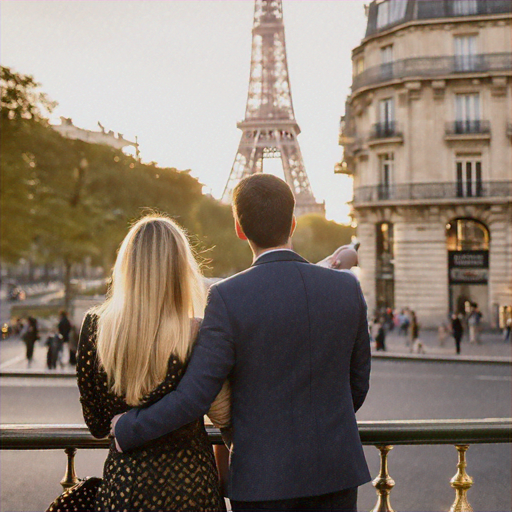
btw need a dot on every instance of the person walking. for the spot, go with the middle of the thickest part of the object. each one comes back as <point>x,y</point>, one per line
<point>292,338</point>
<point>414,330</point>
<point>380,336</point>
<point>474,319</point>
<point>132,351</point>
<point>29,337</point>
<point>457,331</point>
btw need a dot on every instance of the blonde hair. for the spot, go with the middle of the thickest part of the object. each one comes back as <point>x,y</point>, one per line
<point>157,288</point>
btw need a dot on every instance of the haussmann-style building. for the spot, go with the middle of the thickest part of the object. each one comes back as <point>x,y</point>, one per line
<point>427,138</point>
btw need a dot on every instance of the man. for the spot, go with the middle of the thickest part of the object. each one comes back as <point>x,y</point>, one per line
<point>475,316</point>
<point>292,337</point>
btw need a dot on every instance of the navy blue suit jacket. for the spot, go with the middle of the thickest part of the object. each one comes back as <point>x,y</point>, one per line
<point>293,339</point>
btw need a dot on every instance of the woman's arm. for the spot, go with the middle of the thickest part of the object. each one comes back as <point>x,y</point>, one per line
<point>220,410</point>
<point>97,414</point>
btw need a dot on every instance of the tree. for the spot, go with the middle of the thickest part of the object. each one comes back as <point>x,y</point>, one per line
<point>21,98</point>
<point>315,237</point>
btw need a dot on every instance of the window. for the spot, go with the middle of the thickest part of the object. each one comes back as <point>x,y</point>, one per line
<point>467,113</point>
<point>386,124</point>
<point>358,66</point>
<point>385,282</point>
<point>465,7</point>
<point>390,11</point>
<point>386,61</point>
<point>386,165</point>
<point>469,176</point>
<point>465,53</point>
<point>386,54</point>
<point>467,235</point>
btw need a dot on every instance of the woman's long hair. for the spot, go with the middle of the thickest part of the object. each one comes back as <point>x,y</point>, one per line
<point>156,289</point>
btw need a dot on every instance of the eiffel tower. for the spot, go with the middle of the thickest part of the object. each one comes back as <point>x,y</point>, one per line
<point>269,129</point>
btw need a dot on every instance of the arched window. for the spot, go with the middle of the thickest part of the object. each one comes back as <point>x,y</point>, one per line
<point>467,235</point>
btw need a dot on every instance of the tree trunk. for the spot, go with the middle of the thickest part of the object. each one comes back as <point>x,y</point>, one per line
<point>67,285</point>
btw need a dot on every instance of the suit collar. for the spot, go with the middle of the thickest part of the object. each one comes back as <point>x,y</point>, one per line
<point>279,255</point>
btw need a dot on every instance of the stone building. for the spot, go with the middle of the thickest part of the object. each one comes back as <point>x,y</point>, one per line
<point>427,138</point>
<point>67,129</point>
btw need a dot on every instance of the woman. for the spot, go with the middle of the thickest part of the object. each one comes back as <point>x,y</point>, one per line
<point>132,351</point>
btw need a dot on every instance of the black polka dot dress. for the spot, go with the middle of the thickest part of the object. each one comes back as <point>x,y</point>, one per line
<point>176,472</point>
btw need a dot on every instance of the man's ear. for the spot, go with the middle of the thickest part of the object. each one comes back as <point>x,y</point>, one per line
<point>239,231</point>
<point>294,225</point>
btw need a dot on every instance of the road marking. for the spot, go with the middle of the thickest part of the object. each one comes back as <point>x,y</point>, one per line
<point>505,378</point>
<point>11,362</point>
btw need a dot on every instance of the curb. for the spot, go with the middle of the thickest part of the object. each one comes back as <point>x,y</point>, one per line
<point>425,358</point>
<point>38,373</point>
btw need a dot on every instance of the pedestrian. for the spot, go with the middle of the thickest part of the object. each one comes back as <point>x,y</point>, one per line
<point>30,336</point>
<point>54,342</point>
<point>506,331</point>
<point>442,334</point>
<point>73,344</point>
<point>414,329</point>
<point>292,339</point>
<point>457,331</point>
<point>474,319</point>
<point>380,338</point>
<point>403,321</point>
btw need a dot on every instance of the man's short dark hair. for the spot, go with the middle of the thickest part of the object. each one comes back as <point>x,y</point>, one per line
<point>263,205</point>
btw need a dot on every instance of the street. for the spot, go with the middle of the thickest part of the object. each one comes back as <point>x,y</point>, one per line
<point>399,390</point>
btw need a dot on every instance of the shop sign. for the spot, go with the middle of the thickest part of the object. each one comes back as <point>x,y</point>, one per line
<point>468,267</point>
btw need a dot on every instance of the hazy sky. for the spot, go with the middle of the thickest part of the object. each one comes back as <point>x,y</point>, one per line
<point>176,73</point>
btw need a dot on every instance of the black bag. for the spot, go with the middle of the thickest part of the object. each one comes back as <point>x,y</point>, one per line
<point>79,498</point>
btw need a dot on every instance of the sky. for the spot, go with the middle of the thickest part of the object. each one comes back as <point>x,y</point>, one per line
<point>175,73</point>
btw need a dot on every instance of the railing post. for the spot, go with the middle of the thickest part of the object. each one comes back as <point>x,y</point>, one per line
<point>383,483</point>
<point>461,482</point>
<point>70,477</point>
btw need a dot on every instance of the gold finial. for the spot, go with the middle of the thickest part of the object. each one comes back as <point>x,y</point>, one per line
<point>461,482</point>
<point>70,477</point>
<point>383,483</point>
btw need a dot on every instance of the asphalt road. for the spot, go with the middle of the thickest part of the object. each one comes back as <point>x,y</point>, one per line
<point>399,390</point>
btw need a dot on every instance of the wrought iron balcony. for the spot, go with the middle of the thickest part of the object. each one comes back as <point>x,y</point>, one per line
<point>430,67</point>
<point>468,127</point>
<point>381,434</point>
<point>384,130</point>
<point>432,191</point>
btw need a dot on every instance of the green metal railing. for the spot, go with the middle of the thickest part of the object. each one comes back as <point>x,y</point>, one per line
<point>381,434</point>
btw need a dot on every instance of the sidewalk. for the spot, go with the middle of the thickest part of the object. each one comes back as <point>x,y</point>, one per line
<point>491,349</point>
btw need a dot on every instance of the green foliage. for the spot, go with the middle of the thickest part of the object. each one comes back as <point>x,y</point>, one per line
<point>315,237</point>
<point>63,200</point>
<point>21,98</point>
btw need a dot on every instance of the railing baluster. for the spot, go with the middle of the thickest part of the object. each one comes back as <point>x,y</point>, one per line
<point>383,483</point>
<point>70,477</point>
<point>461,482</point>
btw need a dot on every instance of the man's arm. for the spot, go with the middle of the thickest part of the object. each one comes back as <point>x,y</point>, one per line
<point>210,364</point>
<point>343,258</point>
<point>360,361</point>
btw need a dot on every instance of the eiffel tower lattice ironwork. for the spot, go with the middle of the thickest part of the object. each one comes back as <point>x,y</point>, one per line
<point>269,128</point>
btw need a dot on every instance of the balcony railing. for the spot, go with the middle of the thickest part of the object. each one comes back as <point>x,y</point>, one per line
<point>468,127</point>
<point>430,191</point>
<point>382,434</point>
<point>428,67</point>
<point>384,130</point>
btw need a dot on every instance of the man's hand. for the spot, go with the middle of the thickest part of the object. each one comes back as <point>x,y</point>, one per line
<point>343,258</point>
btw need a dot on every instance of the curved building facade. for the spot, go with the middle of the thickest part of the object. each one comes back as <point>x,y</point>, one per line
<point>427,137</point>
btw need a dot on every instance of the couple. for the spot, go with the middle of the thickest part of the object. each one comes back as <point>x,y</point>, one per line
<point>281,362</point>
